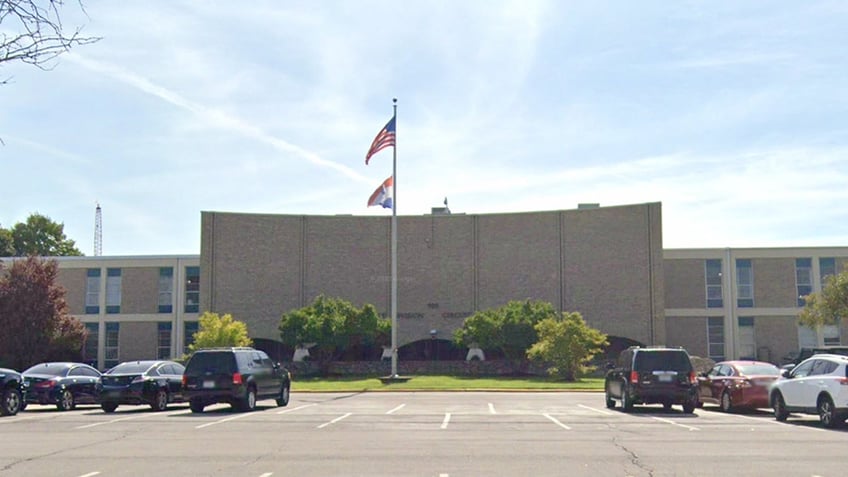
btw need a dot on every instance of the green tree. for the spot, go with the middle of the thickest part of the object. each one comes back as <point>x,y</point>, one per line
<point>568,344</point>
<point>34,316</point>
<point>215,331</point>
<point>42,237</point>
<point>332,324</point>
<point>828,306</point>
<point>7,248</point>
<point>510,328</point>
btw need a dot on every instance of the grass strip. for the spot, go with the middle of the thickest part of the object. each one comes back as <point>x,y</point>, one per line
<point>443,383</point>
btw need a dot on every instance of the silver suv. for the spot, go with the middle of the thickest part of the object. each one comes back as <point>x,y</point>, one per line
<point>819,385</point>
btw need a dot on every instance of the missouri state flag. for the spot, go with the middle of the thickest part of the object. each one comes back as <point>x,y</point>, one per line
<point>383,195</point>
<point>384,139</point>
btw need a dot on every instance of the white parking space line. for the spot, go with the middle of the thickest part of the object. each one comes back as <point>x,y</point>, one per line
<point>87,426</point>
<point>267,474</point>
<point>444,475</point>
<point>334,420</point>
<point>599,411</point>
<point>446,421</point>
<point>492,409</point>
<point>675,423</point>
<point>556,421</point>
<point>223,420</point>
<point>296,408</point>
<point>90,474</point>
<point>396,409</point>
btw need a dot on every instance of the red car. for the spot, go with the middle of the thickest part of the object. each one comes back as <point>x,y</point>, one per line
<point>738,384</point>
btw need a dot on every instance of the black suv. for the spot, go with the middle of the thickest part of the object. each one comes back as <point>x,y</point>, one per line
<point>238,376</point>
<point>11,392</point>
<point>652,376</point>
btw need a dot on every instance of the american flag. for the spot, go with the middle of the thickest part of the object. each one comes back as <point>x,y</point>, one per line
<point>384,139</point>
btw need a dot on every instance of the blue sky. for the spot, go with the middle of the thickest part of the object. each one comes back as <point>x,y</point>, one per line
<point>732,114</point>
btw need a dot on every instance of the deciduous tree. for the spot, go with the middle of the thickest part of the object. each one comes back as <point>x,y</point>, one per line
<point>829,306</point>
<point>567,344</point>
<point>214,331</point>
<point>510,328</point>
<point>39,236</point>
<point>34,316</point>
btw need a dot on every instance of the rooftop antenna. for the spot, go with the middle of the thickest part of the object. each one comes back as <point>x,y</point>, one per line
<point>98,231</point>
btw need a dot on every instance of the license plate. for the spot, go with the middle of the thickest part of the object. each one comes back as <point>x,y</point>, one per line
<point>665,378</point>
<point>208,384</point>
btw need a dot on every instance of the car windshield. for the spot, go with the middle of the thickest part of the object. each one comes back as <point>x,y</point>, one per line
<point>758,370</point>
<point>49,369</point>
<point>216,362</point>
<point>136,367</point>
<point>669,360</point>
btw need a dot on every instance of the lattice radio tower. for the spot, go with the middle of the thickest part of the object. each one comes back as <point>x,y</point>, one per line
<point>98,231</point>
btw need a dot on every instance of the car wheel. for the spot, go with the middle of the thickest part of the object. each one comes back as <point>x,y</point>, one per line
<point>827,413</point>
<point>249,402</point>
<point>66,400</point>
<point>109,406</point>
<point>196,405</point>
<point>725,403</point>
<point>283,400</point>
<point>689,406</point>
<point>626,402</point>
<point>779,405</point>
<point>666,406</point>
<point>160,401</point>
<point>11,402</point>
<point>610,400</point>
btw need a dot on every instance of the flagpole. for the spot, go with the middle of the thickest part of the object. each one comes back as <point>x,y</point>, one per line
<point>394,248</point>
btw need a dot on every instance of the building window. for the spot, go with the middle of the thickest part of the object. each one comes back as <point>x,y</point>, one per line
<point>166,289</point>
<point>744,283</point>
<point>803,279</point>
<point>111,350</point>
<point>188,337</point>
<point>713,274</point>
<point>831,335</point>
<point>89,356</point>
<point>113,290</point>
<point>747,340</point>
<point>827,268</point>
<point>715,337</point>
<point>192,290</point>
<point>164,340</point>
<point>92,291</point>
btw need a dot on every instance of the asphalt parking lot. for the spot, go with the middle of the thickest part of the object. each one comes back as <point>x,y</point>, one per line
<point>417,434</point>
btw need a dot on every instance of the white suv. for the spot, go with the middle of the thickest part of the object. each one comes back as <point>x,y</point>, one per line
<point>819,385</point>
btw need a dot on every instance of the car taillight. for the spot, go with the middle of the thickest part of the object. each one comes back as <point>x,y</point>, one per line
<point>185,381</point>
<point>49,383</point>
<point>693,378</point>
<point>843,381</point>
<point>236,378</point>
<point>634,377</point>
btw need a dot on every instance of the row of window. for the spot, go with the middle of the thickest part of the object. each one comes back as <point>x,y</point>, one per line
<point>166,290</point>
<point>111,341</point>
<point>745,280</point>
<point>807,337</point>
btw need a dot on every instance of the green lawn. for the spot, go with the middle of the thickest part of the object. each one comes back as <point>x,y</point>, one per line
<point>444,383</point>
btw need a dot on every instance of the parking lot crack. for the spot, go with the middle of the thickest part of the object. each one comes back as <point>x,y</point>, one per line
<point>634,458</point>
<point>64,450</point>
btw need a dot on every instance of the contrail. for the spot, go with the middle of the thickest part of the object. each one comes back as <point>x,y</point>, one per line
<point>213,116</point>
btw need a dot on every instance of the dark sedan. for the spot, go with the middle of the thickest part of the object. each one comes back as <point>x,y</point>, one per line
<point>62,384</point>
<point>738,384</point>
<point>155,383</point>
<point>11,392</point>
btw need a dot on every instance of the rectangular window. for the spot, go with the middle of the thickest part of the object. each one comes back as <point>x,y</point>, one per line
<point>92,291</point>
<point>113,290</point>
<point>166,289</point>
<point>715,337</point>
<point>831,335</point>
<point>807,337</point>
<point>89,356</point>
<point>188,337</point>
<point>744,283</point>
<point>713,279</point>
<point>112,339</point>
<point>164,340</point>
<point>827,268</point>
<point>803,279</point>
<point>192,290</point>
<point>747,341</point>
